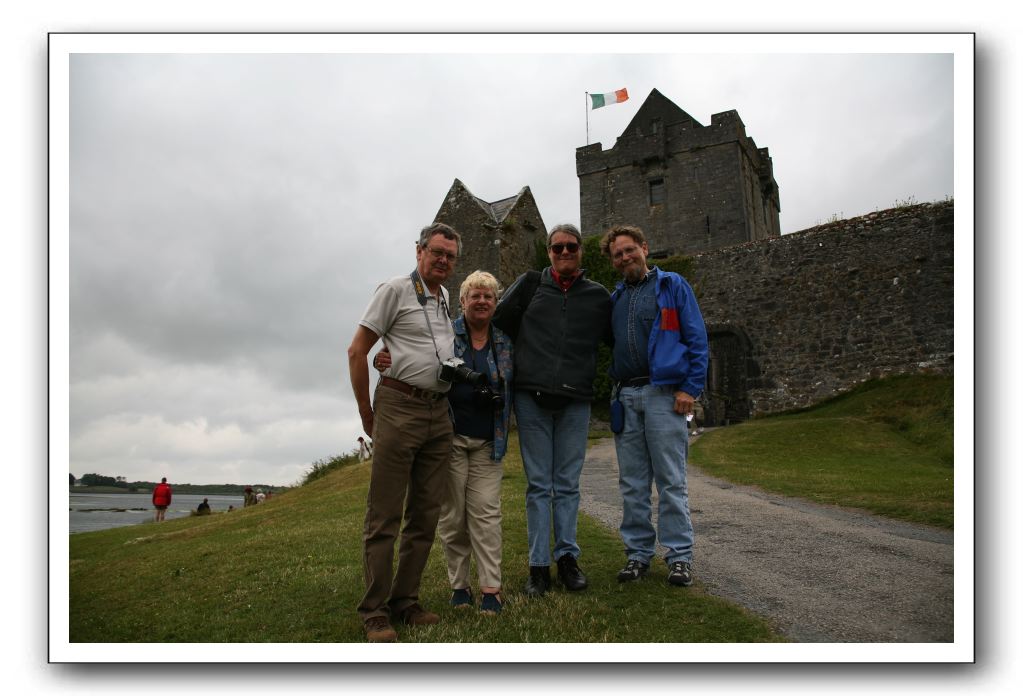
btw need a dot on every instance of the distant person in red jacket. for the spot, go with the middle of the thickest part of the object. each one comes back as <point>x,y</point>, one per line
<point>161,499</point>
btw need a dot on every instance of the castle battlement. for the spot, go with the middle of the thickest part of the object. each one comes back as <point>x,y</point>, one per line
<point>690,187</point>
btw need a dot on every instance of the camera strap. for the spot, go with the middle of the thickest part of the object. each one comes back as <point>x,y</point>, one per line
<point>420,288</point>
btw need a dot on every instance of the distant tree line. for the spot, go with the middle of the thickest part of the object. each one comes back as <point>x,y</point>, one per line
<point>186,488</point>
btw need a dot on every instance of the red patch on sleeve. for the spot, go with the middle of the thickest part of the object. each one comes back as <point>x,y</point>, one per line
<point>669,319</point>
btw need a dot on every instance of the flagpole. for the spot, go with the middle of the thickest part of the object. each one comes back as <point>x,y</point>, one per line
<point>586,108</point>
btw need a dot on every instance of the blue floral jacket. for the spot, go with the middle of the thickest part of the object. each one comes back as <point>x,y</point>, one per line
<point>503,351</point>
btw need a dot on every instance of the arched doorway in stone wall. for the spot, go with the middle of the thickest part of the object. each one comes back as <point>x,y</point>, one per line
<point>730,375</point>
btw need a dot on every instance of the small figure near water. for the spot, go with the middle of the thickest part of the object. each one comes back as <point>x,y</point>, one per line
<point>204,507</point>
<point>250,497</point>
<point>161,499</point>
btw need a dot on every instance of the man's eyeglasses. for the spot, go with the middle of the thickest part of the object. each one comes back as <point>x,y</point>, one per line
<point>620,254</point>
<point>571,246</point>
<point>440,254</point>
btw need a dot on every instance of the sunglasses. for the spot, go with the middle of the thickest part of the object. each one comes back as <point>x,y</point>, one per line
<point>571,246</point>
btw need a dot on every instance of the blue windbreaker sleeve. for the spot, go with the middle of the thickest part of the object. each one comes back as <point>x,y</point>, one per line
<point>694,334</point>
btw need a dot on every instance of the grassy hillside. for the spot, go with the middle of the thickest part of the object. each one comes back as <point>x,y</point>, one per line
<point>885,447</point>
<point>290,570</point>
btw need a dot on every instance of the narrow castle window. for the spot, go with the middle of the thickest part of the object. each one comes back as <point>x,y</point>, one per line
<point>656,191</point>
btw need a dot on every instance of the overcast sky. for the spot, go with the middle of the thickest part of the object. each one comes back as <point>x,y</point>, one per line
<point>230,215</point>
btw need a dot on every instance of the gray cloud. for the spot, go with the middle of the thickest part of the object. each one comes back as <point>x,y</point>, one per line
<point>231,214</point>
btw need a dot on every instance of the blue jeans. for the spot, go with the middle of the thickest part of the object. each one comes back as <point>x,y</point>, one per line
<point>652,449</point>
<point>553,445</point>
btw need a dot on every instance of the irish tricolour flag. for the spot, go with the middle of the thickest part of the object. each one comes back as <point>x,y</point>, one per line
<point>615,97</point>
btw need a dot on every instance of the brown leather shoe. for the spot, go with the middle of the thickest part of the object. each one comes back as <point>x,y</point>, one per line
<point>378,630</point>
<point>415,615</point>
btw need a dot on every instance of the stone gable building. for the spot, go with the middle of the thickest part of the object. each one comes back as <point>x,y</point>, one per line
<point>691,188</point>
<point>499,237</point>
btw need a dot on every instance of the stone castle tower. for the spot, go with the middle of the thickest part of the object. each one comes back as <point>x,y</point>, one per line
<point>499,237</point>
<point>791,320</point>
<point>691,188</point>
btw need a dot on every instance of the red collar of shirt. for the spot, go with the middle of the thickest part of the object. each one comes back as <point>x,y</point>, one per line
<point>564,281</point>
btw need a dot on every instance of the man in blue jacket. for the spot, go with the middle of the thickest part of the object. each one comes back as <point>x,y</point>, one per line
<point>659,365</point>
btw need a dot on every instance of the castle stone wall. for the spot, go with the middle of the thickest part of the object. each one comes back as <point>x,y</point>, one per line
<point>821,310</point>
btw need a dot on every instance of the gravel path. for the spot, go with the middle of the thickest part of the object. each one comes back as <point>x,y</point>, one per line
<point>819,574</point>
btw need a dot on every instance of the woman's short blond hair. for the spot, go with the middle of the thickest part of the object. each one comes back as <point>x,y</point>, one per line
<point>479,279</point>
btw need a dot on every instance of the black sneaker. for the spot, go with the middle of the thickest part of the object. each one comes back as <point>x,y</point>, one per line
<point>633,570</point>
<point>491,604</point>
<point>539,581</point>
<point>570,574</point>
<point>461,598</point>
<point>680,573</point>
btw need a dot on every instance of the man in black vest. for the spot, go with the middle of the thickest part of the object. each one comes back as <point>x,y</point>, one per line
<point>557,328</point>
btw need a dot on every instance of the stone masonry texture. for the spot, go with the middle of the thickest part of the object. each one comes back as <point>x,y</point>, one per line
<point>498,237</point>
<point>817,312</point>
<point>716,187</point>
<point>792,320</point>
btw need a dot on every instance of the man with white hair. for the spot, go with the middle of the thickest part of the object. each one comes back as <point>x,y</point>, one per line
<point>411,428</point>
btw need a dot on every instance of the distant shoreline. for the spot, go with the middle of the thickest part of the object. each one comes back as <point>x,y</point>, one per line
<point>184,489</point>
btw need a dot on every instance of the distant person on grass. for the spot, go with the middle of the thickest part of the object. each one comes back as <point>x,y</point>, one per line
<point>410,424</point>
<point>162,495</point>
<point>250,497</point>
<point>659,366</point>
<point>365,449</point>
<point>204,507</point>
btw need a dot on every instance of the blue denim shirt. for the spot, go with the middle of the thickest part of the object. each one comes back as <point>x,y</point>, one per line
<point>502,368</point>
<point>632,319</point>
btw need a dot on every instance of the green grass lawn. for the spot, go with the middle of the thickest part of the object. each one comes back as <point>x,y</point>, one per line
<point>290,571</point>
<point>885,447</point>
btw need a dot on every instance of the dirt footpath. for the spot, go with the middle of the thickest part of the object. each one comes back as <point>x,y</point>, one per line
<point>820,574</point>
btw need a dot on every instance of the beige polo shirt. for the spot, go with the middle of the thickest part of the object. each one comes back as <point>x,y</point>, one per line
<point>396,316</point>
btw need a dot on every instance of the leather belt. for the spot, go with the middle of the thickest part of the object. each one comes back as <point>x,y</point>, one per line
<point>409,390</point>
<point>635,382</point>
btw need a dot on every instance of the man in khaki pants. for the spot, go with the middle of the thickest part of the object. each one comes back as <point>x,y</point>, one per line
<point>411,428</point>
<point>470,518</point>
